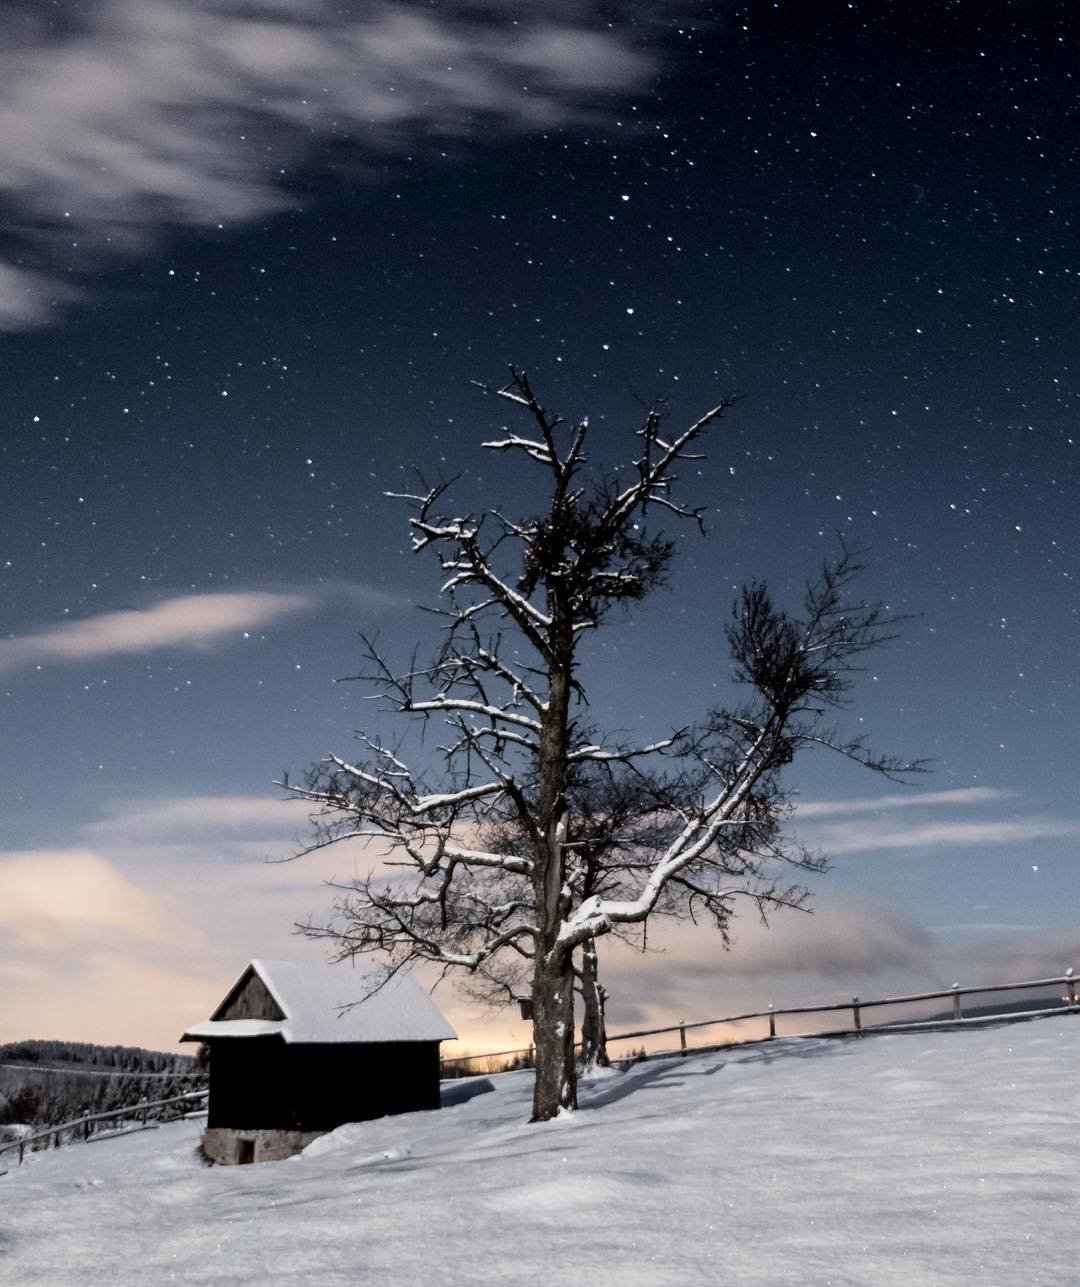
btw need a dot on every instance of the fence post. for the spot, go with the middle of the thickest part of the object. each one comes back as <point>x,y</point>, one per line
<point>1070,987</point>
<point>858,1016</point>
<point>682,1035</point>
<point>957,1013</point>
<point>772,1022</point>
<point>22,1149</point>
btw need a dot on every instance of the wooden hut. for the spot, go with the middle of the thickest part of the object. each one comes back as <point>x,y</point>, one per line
<point>292,1056</point>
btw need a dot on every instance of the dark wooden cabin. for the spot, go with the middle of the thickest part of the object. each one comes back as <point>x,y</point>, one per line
<point>292,1056</point>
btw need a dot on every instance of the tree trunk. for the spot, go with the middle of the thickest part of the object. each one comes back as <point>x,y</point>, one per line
<point>553,974</point>
<point>555,1087</point>
<point>594,994</point>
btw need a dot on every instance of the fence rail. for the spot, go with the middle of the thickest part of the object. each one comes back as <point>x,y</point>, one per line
<point>85,1127</point>
<point>856,1005</point>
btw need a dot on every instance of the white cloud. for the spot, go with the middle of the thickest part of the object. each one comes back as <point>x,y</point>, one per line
<point>872,827</point>
<point>29,299</point>
<point>245,842</point>
<point>866,837</point>
<point>133,938</point>
<point>59,899</point>
<point>108,994</point>
<point>121,121</point>
<point>183,622</point>
<point>195,817</point>
<point>961,797</point>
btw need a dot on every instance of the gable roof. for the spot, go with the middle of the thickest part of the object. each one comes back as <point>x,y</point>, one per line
<point>310,996</point>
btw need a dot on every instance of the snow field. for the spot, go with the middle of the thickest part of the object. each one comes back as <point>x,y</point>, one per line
<point>915,1159</point>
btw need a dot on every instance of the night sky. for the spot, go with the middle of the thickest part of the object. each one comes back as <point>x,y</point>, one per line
<point>252,257</point>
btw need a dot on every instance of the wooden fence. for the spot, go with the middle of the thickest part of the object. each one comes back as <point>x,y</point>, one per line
<point>856,1007</point>
<point>148,1112</point>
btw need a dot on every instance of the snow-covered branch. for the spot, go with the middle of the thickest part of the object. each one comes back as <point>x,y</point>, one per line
<point>602,755</point>
<point>495,713</point>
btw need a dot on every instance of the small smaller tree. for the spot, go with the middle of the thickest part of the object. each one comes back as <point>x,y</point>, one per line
<point>612,814</point>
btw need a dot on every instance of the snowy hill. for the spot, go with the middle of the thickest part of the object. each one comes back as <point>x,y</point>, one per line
<point>934,1158</point>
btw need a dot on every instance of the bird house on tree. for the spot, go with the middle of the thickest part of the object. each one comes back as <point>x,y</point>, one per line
<point>298,1049</point>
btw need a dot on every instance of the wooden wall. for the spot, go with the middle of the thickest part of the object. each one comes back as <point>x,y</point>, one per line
<point>249,999</point>
<point>260,1082</point>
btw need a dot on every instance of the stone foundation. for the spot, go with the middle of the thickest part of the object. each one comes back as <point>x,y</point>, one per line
<point>228,1145</point>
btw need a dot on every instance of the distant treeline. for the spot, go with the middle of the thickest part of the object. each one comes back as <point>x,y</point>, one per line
<point>43,1083</point>
<point>87,1054</point>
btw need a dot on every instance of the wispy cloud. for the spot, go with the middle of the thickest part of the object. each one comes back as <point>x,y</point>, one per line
<point>60,899</point>
<point>184,622</point>
<point>108,993</point>
<point>241,832</point>
<point>873,826</point>
<point>133,934</point>
<point>961,797</point>
<point>194,818</point>
<point>120,122</point>
<point>29,299</point>
<point>865,837</point>
<point>231,838</point>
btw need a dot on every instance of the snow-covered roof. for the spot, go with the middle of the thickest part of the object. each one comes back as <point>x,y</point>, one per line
<point>234,1028</point>
<point>311,997</point>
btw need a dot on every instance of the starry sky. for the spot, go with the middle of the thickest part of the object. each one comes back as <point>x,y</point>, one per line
<point>253,256</point>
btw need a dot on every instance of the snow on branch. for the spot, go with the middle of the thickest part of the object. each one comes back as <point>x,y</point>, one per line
<point>600,755</point>
<point>537,450</point>
<point>495,713</point>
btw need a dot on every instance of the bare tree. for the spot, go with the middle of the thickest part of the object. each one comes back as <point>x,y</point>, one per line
<point>519,596</point>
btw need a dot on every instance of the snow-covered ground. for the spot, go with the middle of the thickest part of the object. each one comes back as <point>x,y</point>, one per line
<point>943,1157</point>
